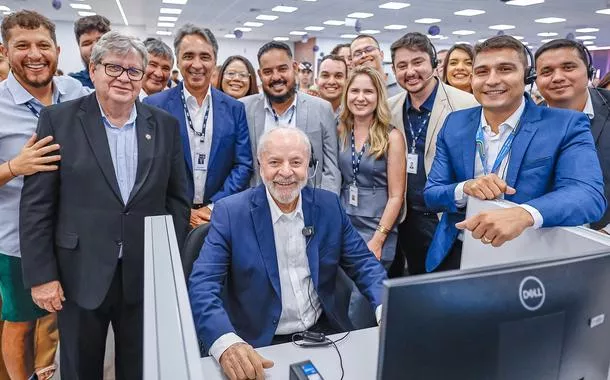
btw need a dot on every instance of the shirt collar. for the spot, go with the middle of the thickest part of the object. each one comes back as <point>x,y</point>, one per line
<point>512,120</point>
<point>132,116</point>
<point>22,96</point>
<point>428,104</point>
<point>268,104</point>
<point>188,96</point>
<point>276,213</point>
<point>588,110</point>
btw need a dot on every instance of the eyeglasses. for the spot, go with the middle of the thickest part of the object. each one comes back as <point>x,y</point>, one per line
<point>239,75</point>
<point>116,71</point>
<point>367,50</point>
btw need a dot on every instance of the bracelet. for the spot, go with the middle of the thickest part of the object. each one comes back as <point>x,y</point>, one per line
<point>11,170</point>
<point>382,229</point>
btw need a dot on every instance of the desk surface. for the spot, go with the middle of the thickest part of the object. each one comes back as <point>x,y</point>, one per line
<point>359,352</point>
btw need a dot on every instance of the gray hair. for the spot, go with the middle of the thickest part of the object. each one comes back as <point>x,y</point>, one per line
<point>158,48</point>
<point>190,29</point>
<point>284,130</point>
<point>120,44</point>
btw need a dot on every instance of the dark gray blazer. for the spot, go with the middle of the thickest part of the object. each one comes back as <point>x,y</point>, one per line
<point>600,128</point>
<point>73,220</point>
<point>315,117</point>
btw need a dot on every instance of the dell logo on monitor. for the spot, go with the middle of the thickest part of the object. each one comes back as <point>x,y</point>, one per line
<point>532,293</point>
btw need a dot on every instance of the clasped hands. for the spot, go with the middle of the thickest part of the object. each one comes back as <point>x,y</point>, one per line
<point>494,227</point>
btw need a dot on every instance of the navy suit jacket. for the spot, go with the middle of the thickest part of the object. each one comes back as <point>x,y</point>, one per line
<point>230,165</point>
<point>553,166</point>
<point>239,259</point>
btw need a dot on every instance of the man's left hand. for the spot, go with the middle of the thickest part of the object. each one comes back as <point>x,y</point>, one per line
<point>200,216</point>
<point>496,227</point>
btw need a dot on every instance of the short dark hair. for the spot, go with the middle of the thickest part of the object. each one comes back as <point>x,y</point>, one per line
<point>361,36</point>
<point>503,42</point>
<point>463,47</point>
<point>191,29</point>
<point>336,49</point>
<point>158,48</point>
<point>27,20</point>
<point>221,73</point>
<point>333,57</point>
<point>271,46</point>
<point>414,41</point>
<point>562,43</point>
<point>91,23</point>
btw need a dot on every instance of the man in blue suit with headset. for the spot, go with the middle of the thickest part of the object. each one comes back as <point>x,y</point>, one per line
<point>213,126</point>
<point>540,158</point>
<point>269,264</point>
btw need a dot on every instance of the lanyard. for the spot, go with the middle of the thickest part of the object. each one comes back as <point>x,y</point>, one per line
<point>356,159</point>
<point>501,155</point>
<point>201,134</point>
<point>277,118</point>
<point>34,111</point>
<point>415,137</point>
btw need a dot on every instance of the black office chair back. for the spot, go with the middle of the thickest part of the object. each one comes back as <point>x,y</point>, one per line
<point>192,247</point>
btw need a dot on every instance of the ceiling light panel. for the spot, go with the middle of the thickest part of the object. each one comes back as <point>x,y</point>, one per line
<point>80,6</point>
<point>168,18</point>
<point>314,28</point>
<point>176,2</point>
<point>394,5</point>
<point>281,39</point>
<point>297,33</point>
<point>427,20</point>
<point>360,15</point>
<point>334,22</point>
<point>395,27</point>
<point>253,24</point>
<point>267,17</point>
<point>547,34</point>
<point>524,3</point>
<point>587,30</point>
<point>463,32</point>
<point>550,20</point>
<point>502,27</point>
<point>469,12</point>
<point>170,11</point>
<point>284,9</point>
<point>165,24</point>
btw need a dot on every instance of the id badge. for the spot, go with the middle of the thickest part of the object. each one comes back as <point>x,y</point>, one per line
<point>200,163</point>
<point>412,163</point>
<point>353,195</point>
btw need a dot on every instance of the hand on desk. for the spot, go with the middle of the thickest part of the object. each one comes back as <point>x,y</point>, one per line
<point>241,362</point>
<point>200,216</point>
<point>496,227</point>
<point>487,187</point>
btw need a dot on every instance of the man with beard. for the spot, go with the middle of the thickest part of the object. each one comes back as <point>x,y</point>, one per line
<point>564,70</point>
<point>331,81</point>
<point>31,48</point>
<point>212,124</point>
<point>281,104</point>
<point>419,113</point>
<point>88,31</point>
<point>276,249</point>
<point>160,63</point>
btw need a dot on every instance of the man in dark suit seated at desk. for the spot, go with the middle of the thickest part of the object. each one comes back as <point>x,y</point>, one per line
<point>276,248</point>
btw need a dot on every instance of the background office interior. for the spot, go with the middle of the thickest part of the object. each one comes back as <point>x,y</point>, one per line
<point>314,27</point>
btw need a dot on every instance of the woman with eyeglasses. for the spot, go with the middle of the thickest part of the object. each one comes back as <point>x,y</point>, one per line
<point>237,77</point>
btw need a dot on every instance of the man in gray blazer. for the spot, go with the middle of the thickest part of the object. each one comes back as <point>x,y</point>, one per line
<point>280,104</point>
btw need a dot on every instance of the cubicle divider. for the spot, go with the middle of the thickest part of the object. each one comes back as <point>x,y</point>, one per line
<point>171,350</point>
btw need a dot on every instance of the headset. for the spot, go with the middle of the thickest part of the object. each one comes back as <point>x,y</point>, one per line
<point>530,71</point>
<point>590,68</point>
<point>434,57</point>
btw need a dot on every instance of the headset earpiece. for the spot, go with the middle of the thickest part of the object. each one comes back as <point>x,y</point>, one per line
<point>530,71</point>
<point>590,68</point>
<point>434,58</point>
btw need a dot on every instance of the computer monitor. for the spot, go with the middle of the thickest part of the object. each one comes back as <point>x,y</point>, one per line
<point>535,321</point>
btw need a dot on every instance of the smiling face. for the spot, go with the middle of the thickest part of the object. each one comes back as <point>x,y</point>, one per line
<point>156,74</point>
<point>497,80</point>
<point>413,69</point>
<point>562,75</point>
<point>122,89</point>
<point>196,62</point>
<point>459,70</point>
<point>331,80</point>
<point>277,74</point>
<point>361,96</point>
<point>236,79</point>
<point>32,55</point>
<point>366,52</point>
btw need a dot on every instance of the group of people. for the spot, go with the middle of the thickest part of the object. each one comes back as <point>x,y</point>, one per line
<point>304,192</point>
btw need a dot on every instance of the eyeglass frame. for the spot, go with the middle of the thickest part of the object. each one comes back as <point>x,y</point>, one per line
<point>123,69</point>
<point>239,75</point>
<point>364,51</point>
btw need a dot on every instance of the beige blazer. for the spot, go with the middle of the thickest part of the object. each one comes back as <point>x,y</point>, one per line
<point>447,99</point>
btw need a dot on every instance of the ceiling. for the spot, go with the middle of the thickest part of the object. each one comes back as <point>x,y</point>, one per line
<point>223,16</point>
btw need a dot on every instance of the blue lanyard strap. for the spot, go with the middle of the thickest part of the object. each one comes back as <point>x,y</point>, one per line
<point>356,159</point>
<point>34,110</point>
<point>277,118</point>
<point>201,134</point>
<point>480,141</point>
<point>415,137</point>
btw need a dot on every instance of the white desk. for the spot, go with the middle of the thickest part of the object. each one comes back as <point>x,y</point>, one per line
<point>359,352</point>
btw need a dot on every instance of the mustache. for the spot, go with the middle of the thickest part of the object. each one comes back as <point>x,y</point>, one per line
<point>279,81</point>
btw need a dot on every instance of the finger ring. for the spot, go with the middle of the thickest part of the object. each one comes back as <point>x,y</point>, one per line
<point>485,240</point>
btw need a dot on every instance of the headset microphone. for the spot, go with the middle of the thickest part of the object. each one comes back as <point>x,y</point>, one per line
<point>307,231</point>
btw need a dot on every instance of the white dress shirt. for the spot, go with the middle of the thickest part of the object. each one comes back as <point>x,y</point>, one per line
<point>493,145</point>
<point>197,147</point>
<point>288,118</point>
<point>301,306</point>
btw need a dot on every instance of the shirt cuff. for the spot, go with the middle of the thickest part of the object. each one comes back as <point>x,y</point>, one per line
<point>378,314</point>
<point>607,229</point>
<point>221,344</point>
<point>538,220</point>
<point>460,198</point>
<point>210,206</point>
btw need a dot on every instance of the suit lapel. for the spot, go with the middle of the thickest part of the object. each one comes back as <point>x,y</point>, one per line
<point>259,117</point>
<point>261,218</point>
<point>301,121</point>
<point>310,211</point>
<point>146,138</point>
<point>602,115</point>
<point>438,113</point>
<point>218,107</point>
<point>469,146</point>
<point>91,121</point>
<point>522,141</point>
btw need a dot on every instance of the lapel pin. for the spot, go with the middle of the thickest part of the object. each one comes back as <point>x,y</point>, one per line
<point>148,137</point>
